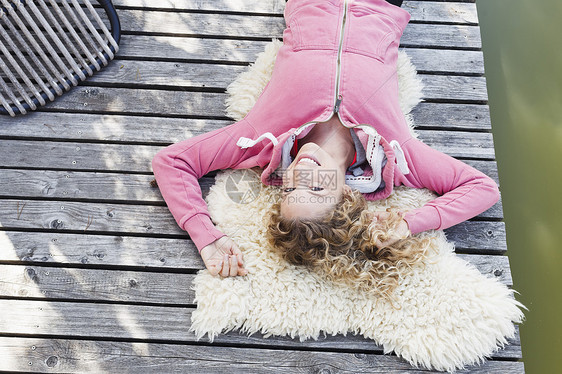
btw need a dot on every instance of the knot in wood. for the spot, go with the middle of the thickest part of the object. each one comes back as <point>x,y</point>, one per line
<point>57,224</point>
<point>31,251</point>
<point>324,371</point>
<point>52,361</point>
<point>133,283</point>
<point>360,356</point>
<point>47,189</point>
<point>498,272</point>
<point>31,274</point>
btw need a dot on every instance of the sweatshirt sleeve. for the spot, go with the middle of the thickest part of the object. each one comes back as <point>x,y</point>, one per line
<point>178,167</point>
<point>464,191</point>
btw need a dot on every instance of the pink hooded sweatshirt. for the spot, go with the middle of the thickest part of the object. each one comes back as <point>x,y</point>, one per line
<point>338,58</point>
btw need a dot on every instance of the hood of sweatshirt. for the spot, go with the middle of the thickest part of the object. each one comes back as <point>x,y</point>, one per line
<point>372,174</point>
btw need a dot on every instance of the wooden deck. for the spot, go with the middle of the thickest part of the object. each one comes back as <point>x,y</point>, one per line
<point>95,275</point>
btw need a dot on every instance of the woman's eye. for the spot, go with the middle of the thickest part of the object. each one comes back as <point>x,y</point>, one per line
<point>316,188</point>
<point>287,190</point>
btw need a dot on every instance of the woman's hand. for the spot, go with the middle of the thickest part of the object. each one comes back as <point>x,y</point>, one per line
<point>402,231</point>
<point>223,257</point>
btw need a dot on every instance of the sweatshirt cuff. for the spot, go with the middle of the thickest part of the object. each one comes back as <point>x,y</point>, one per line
<point>201,230</point>
<point>422,219</point>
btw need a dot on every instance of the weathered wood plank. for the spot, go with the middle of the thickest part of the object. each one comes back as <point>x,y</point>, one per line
<point>168,74</point>
<point>267,27</point>
<point>131,188</point>
<point>240,51</point>
<point>490,236</point>
<point>246,6</point>
<point>426,11</point>
<point>137,287</point>
<point>189,48</point>
<point>96,285</point>
<point>492,266</point>
<point>59,356</point>
<point>107,128</point>
<point>186,103</point>
<point>99,186</point>
<point>195,75</point>
<point>69,156</point>
<point>179,76</point>
<point>147,252</point>
<point>446,61</point>
<point>82,185</point>
<point>137,158</point>
<point>99,250</point>
<point>460,144</point>
<point>208,24</point>
<point>116,321</point>
<point>442,87</point>
<point>441,36</point>
<point>108,187</point>
<point>141,101</point>
<point>144,287</point>
<point>117,128</point>
<point>191,75</point>
<point>450,12</point>
<point>118,218</point>
<point>452,116</point>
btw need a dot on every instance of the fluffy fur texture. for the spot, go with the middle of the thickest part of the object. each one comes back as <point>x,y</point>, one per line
<point>444,314</point>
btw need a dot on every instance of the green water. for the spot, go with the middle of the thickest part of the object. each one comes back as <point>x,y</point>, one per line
<point>523,60</point>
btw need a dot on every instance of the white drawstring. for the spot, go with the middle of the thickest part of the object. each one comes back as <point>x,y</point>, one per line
<point>247,142</point>
<point>400,158</point>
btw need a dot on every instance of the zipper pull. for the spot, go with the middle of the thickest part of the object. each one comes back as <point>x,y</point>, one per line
<point>338,102</point>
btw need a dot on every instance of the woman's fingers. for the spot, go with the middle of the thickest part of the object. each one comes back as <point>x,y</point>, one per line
<point>229,263</point>
<point>230,267</point>
<point>239,260</point>
<point>237,252</point>
<point>214,269</point>
<point>225,266</point>
<point>241,270</point>
<point>233,266</point>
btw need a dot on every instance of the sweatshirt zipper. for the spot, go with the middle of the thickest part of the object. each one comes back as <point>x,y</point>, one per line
<point>337,96</point>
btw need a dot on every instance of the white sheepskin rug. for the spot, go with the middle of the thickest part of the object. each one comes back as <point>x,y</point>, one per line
<point>446,314</point>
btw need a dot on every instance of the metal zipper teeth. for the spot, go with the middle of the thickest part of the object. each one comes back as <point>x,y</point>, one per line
<point>337,96</point>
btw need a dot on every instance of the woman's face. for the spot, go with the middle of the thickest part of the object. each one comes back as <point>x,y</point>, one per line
<point>312,184</point>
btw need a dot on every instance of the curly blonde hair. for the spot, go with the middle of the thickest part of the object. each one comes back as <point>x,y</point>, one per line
<point>340,245</point>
